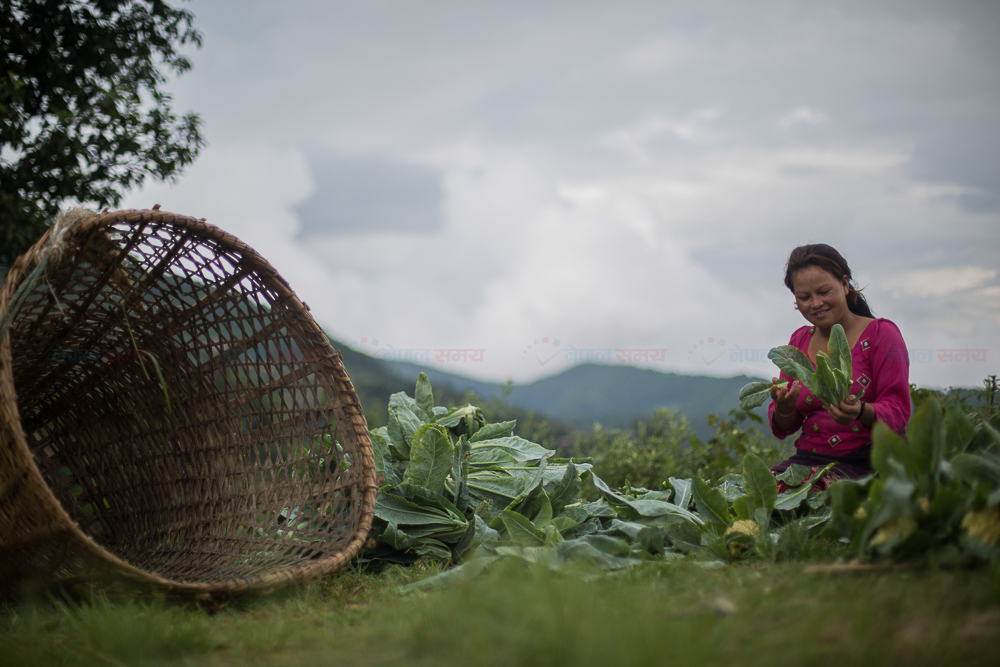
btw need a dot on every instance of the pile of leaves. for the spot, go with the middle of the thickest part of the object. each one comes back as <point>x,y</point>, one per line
<point>458,490</point>
<point>456,486</point>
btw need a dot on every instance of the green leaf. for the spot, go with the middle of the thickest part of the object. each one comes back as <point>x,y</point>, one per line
<point>741,508</point>
<point>393,508</point>
<point>986,437</point>
<point>455,416</point>
<point>755,394</point>
<point>403,424</point>
<point>491,431</point>
<point>843,383</point>
<point>976,469</point>
<point>793,362</point>
<point>759,482</point>
<point>793,498</point>
<point>521,531</point>
<point>958,432</point>
<point>682,491</point>
<point>824,384</point>
<point>460,473</point>
<point>711,504</point>
<point>794,475</point>
<point>401,400</point>
<point>431,455</point>
<point>396,538</point>
<point>566,490</point>
<point>518,448</point>
<point>544,515</point>
<point>845,504</point>
<point>887,446</point>
<point>926,435</point>
<point>423,395</point>
<point>840,354</point>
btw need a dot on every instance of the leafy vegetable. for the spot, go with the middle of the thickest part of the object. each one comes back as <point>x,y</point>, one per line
<point>830,382</point>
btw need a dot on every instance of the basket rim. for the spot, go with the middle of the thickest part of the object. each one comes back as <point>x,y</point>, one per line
<point>329,358</point>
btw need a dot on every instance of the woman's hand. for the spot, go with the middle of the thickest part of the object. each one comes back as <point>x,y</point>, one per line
<point>785,397</point>
<point>848,411</point>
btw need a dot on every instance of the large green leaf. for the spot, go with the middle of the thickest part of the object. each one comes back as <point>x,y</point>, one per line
<point>840,352</point>
<point>521,531</point>
<point>793,362</point>
<point>926,435</point>
<point>760,485</point>
<point>794,475</point>
<point>403,424</point>
<point>423,395</point>
<point>393,508</point>
<point>888,446</point>
<point>380,450</point>
<point>499,489</point>
<point>431,455</point>
<point>958,432</point>
<point>754,394</point>
<point>491,431</point>
<point>711,504</point>
<point>682,491</point>
<point>518,448</point>
<point>792,498</point>
<point>565,491</point>
<point>986,437</point>
<point>460,473</point>
<point>824,384</point>
<point>402,400</point>
<point>544,515</point>
<point>977,469</point>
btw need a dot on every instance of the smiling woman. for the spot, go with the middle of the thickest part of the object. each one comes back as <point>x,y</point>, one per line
<point>820,279</point>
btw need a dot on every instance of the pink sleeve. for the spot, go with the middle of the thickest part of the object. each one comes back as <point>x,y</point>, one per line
<point>891,374</point>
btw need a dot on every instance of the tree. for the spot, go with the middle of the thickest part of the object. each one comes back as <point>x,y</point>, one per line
<point>82,115</point>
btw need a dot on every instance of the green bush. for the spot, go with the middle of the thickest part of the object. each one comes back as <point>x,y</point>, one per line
<point>667,446</point>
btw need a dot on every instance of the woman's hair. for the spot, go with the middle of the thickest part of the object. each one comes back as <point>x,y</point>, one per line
<point>827,258</point>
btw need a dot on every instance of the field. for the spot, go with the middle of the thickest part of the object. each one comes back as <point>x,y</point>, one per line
<point>678,613</point>
<point>638,576</point>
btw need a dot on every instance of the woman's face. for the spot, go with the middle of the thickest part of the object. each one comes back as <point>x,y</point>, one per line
<point>820,297</point>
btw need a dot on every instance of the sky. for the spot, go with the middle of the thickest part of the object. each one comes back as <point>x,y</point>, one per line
<point>505,189</point>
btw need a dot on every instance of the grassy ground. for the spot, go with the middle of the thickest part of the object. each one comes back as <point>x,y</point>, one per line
<point>672,613</point>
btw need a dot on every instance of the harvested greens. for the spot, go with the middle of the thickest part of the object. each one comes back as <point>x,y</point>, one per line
<point>459,490</point>
<point>830,382</point>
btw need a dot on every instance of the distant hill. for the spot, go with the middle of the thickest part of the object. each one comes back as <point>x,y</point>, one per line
<point>615,396</point>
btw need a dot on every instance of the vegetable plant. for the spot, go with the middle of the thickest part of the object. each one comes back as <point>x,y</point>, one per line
<point>830,382</point>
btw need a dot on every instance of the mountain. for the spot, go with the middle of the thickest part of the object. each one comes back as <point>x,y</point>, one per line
<point>615,396</point>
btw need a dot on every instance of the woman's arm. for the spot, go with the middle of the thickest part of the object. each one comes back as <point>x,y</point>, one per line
<point>782,414</point>
<point>891,371</point>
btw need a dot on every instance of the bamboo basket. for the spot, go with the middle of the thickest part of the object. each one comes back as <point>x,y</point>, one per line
<point>171,416</point>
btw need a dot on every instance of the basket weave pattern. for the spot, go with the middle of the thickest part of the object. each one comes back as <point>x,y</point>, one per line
<point>171,414</point>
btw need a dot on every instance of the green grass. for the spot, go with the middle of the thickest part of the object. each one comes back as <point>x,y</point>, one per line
<point>671,613</point>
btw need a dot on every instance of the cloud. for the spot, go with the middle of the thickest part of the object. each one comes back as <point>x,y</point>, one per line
<point>941,281</point>
<point>369,194</point>
<point>611,175</point>
<point>802,115</point>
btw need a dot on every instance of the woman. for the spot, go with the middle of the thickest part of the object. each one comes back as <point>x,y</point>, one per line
<point>820,279</point>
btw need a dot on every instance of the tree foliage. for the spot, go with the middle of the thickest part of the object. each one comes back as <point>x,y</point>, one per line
<point>82,114</point>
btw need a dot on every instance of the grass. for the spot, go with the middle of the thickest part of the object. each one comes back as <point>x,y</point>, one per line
<point>663,613</point>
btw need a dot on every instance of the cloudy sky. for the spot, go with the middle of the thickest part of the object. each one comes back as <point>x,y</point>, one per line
<point>543,179</point>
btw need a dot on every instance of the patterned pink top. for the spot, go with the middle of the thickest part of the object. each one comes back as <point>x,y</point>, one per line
<point>881,365</point>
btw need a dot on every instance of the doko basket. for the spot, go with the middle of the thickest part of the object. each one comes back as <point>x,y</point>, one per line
<point>171,416</point>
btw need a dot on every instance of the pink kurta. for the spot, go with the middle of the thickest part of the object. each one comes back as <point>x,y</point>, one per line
<point>881,366</point>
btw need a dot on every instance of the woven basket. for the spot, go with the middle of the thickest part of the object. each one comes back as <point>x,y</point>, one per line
<point>171,415</point>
